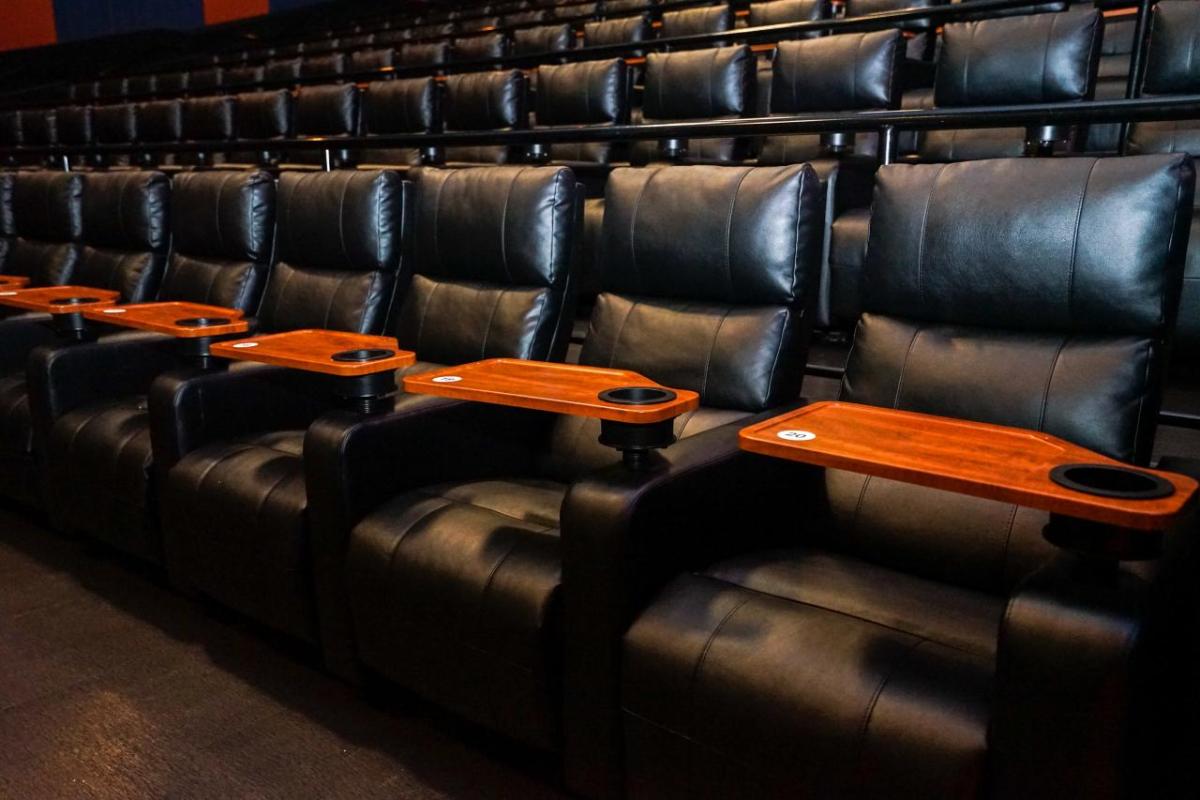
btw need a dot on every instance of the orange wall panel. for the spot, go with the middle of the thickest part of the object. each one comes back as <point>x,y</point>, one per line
<point>225,10</point>
<point>27,23</point>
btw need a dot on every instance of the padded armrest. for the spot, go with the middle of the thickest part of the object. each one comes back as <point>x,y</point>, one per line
<point>625,533</point>
<point>19,334</point>
<point>66,377</point>
<point>353,463</point>
<point>190,408</point>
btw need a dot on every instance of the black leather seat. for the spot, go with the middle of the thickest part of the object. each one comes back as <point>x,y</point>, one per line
<point>1011,61</point>
<point>922,41</point>
<point>208,119</point>
<point>159,122</point>
<point>846,72</point>
<point>283,69</point>
<point>201,81</point>
<point>406,105</point>
<point>238,78</point>
<point>698,84</point>
<point>617,31</point>
<point>140,86</point>
<point>170,84</point>
<point>323,66</point>
<point>330,112</point>
<point>453,564</point>
<point>775,12</point>
<point>115,124</point>
<point>484,46</point>
<point>1112,77</point>
<point>542,39</point>
<point>880,639</point>
<point>491,261</point>
<point>367,60</point>
<point>615,8</point>
<point>262,115</point>
<point>694,21</point>
<point>424,54</point>
<point>106,230</point>
<point>1170,70</point>
<point>482,101</point>
<point>89,400</point>
<point>226,442</point>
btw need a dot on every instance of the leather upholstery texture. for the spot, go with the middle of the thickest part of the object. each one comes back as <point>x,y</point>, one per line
<point>48,217</point>
<point>126,232</point>
<point>237,77</point>
<point>616,31</point>
<point>366,60</point>
<point>338,251</point>
<point>859,8</point>
<point>691,21</point>
<point>476,48</point>
<point>208,118</point>
<point>320,66</point>
<point>469,571</point>
<point>542,39</point>
<point>894,646</point>
<point>202,80</point>
<point>116,124</point>
<point>779,11</point>
<point>418,54</point>
<point>406,105</point>
<point>40,127</point>
<point>699,84</point>
<point>264,115</point>
<point>74,124</point>
<point>584,93</point>
<point>478,101</point>
<point>1169,62</point>
<point>283,69</point>
<point>160,121</point>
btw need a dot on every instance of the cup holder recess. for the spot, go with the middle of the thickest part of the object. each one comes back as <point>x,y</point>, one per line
<point>73,301</point>
<point>201,322</point>
<point>360,356</point>
<point>637,395</point>
<point>1106,480</point>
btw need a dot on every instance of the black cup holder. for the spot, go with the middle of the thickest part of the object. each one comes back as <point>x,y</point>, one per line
<point>73,301</point>
<point>202,322</point>
<point>637,395</point>
<point>360,356</point>
<point>1105,480</point>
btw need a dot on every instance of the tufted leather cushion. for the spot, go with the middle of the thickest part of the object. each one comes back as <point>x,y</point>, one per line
<point>237,77</point>
<point>283,69</point>
<point>1036,58</point>
<point>780,11</point>
<point>1170,65</point>
<point>420,54</point>
<point>492,257</point>
<point>322,66</point>
<point>617,31</point>
<point>474,48</point>
<point>338,250</point>
<point>484,101</point>
<point>48,220</point>
<point>223,227</point>
<point>409,105</point>
<point>543,39</point>
<point>367,60</point>
<point>126,225</point>
<point>692,21</point>
<point>115,124</point>
<point>208,118</point>
<point>327,110</point>
<point>160,121</point>
<point>74,124</point>
<point>264,115</point>
<point>584,93</point>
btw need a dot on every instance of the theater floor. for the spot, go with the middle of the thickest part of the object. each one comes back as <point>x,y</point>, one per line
<point>115,687</point>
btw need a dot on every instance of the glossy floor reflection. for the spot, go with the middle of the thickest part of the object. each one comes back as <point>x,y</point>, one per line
<point>115,687</point>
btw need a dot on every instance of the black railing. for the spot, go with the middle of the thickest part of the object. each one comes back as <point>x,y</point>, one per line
<point>762,34</point>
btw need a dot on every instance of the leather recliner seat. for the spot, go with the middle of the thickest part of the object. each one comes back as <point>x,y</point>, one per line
<point>1037,58</point>
<point>89,400</point>
<point>112,232</point>
<point>330,112</point>
<point>406,105</point>
<point>1170,69</point>
<point>263,116</point>
<point>902,641</point>
<point>491,277</point>
<point>451,578</point>
<point>483,101</point>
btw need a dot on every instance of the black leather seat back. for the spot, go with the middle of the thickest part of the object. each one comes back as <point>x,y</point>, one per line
<point>698,84</point>
<point>282,69</point>
<point>780,11</point>
<point>321,66</point>
<point>236,78</point>
<point>12,133</point>
<point>419,54</point>
<point>617,31</point>
<point>474,48</point>
<point>406,105</point>
<point>141,85</point>
<point>208,119</point>
<point>126,233</point>
<point>922,44</point>
<point>480,101</point>
<point>1037,58</point>
<point>693,21</point>
<point>847,72</point>
<point>337,252</point>
<point>493,257</point>
<point>48,224</point>
<point>583,93</point>
<point>173,83</point>
<point>366,60</point>
<point>707,278</point>
<point>1037,293</point>
<point>329,111</point>
<point>8,225</point>
<point>1170,69</point>
<point>262,115</point>
<point>542,39</point>
<point>614,8</point>
<point>115,124</point>
<point>74,125</point>
<point>222,237</point>
<point>160,121</point>
<point>40,127</point>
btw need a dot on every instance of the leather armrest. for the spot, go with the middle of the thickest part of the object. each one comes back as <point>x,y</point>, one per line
<point>190,408</point>
<point>19,334</point>
<point>64,377</point>
<point>354,463</point>
<point>624,535</point>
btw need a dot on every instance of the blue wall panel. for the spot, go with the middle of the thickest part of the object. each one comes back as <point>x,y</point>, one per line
<point>81,19</point>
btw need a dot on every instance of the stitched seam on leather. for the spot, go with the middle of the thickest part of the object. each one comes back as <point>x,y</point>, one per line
<point>712,346</point>
<point>1012,519</point>
<point>342,223</point>
<point>487,331</point>
<point>861,738</point>
<point>966,98</point>
<point>504,224</point>
<point>778,351</point>
<point>924,228</point>
<point>699,665</point>
<point>1046,54</point>
<point>904,365</point>
<point>712,68</point>
<point>1137,430</point>
<point>621,329</point>
<point>424,313</point>
<point>633,220</point>
<point>854,72</point>
<point>1075,241</point>
<point>729,233</point>
<point>1049,380</point>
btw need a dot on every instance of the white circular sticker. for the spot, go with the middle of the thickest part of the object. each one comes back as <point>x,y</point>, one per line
<point>796,436</point>
<point>114,311</point>
<point>244,345</point>
<point>7,294</point>
<point>447,379</point>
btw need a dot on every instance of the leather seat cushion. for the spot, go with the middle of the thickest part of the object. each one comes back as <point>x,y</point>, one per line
<point>18,477</point>
<point>847,254</point>
<point>235,528</point>
<point>454,593</point>
<point>1187,328</point>
<point>810,670</point>
<point>99,461</point>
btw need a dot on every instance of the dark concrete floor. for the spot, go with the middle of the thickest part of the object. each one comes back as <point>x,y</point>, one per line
<point>112,686</point>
